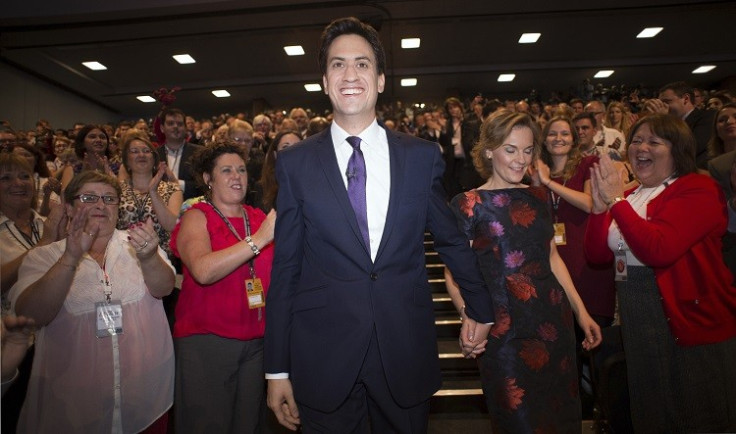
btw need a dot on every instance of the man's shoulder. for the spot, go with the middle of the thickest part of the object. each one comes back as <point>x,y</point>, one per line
<point>698,116</point>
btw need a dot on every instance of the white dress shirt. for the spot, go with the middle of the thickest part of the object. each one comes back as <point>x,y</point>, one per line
<point>374,145</point>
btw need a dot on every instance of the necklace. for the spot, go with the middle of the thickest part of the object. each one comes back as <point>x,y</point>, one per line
<point>140,204</point>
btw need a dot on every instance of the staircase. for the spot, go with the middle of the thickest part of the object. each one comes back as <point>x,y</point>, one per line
<point>459,405</point>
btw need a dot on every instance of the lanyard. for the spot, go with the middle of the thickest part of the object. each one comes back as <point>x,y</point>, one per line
<point>27,241</point>
<point>555,199</point>
<point>251,262</point>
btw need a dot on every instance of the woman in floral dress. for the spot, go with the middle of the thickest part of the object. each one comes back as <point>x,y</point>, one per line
<point>528,367</point>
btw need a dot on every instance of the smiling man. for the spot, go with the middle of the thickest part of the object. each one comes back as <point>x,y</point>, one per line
<point>350,335</point>
<point>176,151</point>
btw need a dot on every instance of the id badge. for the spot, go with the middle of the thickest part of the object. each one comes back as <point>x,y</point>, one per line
<point>254,290</point>
<point>109,318</point>
<point>560,237</point>
<point>619,262</point>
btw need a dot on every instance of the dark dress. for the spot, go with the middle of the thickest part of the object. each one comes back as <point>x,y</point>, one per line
<point>528,370</point>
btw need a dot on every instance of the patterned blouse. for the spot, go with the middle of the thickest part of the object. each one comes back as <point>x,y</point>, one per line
<point>137,207</point>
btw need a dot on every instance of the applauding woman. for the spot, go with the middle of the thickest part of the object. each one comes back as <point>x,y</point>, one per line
<point>104,358</point>
<point>145,194</point>
<point>677,303</point>
<point>226,251</point>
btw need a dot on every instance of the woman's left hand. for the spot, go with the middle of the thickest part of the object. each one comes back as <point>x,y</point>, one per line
<point>592,331</point>
<point>153,185</point>
<point>608,179</point>
<point>143,238</point>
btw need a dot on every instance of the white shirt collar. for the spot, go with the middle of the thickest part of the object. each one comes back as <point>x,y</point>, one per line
<point>369,135</point>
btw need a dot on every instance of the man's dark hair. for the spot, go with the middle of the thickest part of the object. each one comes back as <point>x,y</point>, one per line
<point>680,88</point>
<point>171,112</point>
<point>586,115</point>
<point>351,26</point>
<point>491,106</point>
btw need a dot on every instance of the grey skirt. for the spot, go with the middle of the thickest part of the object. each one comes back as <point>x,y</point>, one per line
<point>673,389</point>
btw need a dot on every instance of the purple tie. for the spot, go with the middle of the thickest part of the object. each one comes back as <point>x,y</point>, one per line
<point>356,187</point>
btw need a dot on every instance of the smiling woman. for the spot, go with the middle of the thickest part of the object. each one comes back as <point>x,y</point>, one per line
<point>91,147</point>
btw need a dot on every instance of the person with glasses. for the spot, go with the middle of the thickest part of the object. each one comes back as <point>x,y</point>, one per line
<point>145,194</point>
<point>104,358</point>
<point>604,136</point>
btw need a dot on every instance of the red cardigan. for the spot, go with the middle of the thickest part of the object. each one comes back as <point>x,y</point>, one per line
<point>681,240</point>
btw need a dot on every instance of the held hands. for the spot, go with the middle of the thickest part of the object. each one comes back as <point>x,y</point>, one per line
<point>473,337</point>
<point>143,238</point>
<point>281,401</point>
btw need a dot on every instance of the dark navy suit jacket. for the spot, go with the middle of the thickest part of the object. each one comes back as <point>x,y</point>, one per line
<point>327,296</point>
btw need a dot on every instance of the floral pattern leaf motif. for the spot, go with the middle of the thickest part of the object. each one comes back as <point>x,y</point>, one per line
<point>547,331</point>
<point>522,214</point>
<point>521,286</point>
<point>555,296</point>
<point>502,324</point>
<point>468,201</point>
<point>495,229</point>
<point>511,394</point>
<point>534,354</point>
<point>532,268</point>
<point>501,200</point>
<point>514,259</point>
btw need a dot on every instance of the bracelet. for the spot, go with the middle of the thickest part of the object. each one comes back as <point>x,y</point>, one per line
<point>615,200</point>
<point>253,246</point>
<point>60,262</point>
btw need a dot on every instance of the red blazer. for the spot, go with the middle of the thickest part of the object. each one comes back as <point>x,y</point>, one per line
<point>681,241</point>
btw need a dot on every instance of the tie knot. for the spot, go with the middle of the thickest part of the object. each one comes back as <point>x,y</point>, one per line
<point>354,142</point>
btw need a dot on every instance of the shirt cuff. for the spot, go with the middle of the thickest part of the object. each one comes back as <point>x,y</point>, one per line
<point>278,376</point>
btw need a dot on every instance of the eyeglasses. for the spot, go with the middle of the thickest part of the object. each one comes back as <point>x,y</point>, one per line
<point>93,198</point>
<point>139,151</point>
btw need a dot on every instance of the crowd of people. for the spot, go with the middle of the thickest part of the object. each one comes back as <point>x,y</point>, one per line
<point>556,220</point>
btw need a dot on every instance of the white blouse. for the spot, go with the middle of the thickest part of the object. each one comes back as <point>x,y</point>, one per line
<point>81,383</point>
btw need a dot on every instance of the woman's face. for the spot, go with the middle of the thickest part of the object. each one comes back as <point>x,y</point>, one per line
<point>616,115</point>
<point>726,124</point>
<point>228,180</point>
<point>140,157</point>
<point>650,157</point>
<point>286,141</point>
<point>95,141</point>
<point>25,153</point>
<point>715,104</point>
<point>559,138</point>
<point>16,188</point>
<point>512,158</point>
<point>104,214</point>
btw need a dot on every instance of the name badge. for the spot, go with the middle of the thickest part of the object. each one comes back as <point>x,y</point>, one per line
<point>619,263</point>
<point>560,237</point>
<point>109,318</point>
<point>254,291</point>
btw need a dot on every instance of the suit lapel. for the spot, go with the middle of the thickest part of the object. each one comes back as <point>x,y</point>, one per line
<point>328,161</point>
<point>397,159</point>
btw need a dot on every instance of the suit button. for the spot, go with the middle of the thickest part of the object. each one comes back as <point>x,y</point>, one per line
<point>374,276</point>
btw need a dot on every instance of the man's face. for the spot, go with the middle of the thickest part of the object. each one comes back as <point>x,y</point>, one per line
<point>698,98</point>
<point>300,117</point>
<point>675,104</point>
<point>352,80</point>
<point>173,128</point>
<point>190,123</point>
<point>586,132</point>
<point>577,107</point>
<point>598,110</point>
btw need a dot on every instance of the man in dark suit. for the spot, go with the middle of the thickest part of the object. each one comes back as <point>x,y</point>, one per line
<point>457,141</point>
<point>677,99</point>
<point>176,151</point>
<point>350,333</point>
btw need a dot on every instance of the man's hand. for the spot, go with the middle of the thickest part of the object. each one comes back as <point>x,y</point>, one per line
<point>473,337</point>
<point>281,402</point>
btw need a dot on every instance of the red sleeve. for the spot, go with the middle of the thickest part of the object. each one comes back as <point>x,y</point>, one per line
<point>682,215</point>
<point>596,239</point>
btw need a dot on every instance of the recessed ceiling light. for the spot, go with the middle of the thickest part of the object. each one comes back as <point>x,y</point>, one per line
<point>603,73</point>
<point>506,77</point>
<point>411,43</point>
<point>294,50</point>
<point>145,98</point>
<point>184,59</point>
<point>313,87</point>
<point>649,32</point>
<point>703,69</point>
<point>222,93</point>
<point>408,82</point>
<point>529,38</point>
<point>95,66</point>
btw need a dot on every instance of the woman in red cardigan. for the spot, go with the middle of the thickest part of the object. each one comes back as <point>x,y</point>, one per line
<point>677,305</point>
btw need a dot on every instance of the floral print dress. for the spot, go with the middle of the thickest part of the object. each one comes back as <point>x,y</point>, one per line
<point>528,370</point>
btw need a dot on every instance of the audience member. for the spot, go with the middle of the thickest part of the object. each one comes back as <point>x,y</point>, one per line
<point>176,152</point>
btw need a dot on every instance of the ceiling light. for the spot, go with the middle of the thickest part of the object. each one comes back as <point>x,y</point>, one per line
<point>603,73</point>
<point>506,77</point>
<point>184,59</point>
<point>410,43</point>
<point>95,66</point>
<point>313,87</point>
<point>703,69</point>
<point>222,93</point>
<point>294,50</point>
<point>145,98</point>
<point>649,32</point>
<point>408,82</point>
<point>529,38</point>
